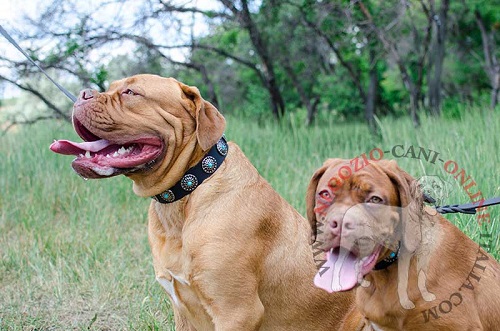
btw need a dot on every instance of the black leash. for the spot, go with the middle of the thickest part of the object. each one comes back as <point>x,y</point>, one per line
<point>16,45</point>
<point>468,208</point>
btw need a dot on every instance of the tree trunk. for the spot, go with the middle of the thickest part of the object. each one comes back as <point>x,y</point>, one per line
<point>390,47</point>
<point>277,103</point>
<point>246,22</point>
<point>371,96</point>
<point>414,108</point>
<point>414,95</point>
<point>212,95</point>
<point>310,104</point>
<point>437,59</point>
<point>492,67</point>
<point>495,89</point>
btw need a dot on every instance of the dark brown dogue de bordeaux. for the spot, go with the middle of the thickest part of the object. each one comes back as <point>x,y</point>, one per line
<point>411,268</point>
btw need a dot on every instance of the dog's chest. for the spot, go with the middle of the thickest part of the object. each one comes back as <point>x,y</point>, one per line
<point>171,264</point>
<point>375,327</point>
<point>181,291</point>
<point>168,283</point>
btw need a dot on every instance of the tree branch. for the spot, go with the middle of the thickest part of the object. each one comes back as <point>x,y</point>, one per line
<point>59,113</point>
<point>27,121</point>
<point>167,7</point>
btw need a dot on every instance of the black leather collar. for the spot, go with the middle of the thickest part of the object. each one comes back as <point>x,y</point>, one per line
<point>197,174</point>
<point>385,263</point>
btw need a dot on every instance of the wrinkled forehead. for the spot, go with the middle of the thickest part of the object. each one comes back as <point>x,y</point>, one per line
<point>139,83</point>
<point>346,172</point>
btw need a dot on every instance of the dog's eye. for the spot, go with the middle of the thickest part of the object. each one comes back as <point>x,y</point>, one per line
<point>375,199</point>
<point>325,195</point>
<point>129,92</point>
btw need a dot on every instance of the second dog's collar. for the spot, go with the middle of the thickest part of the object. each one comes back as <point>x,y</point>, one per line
<point>385,263</point>
<point>197,174</point>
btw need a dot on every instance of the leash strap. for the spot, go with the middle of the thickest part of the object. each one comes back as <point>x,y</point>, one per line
<point>16,45</point>
<point>469,208</point>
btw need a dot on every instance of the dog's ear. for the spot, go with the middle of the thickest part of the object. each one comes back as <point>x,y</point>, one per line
<point>210,124</point>
<point>311,195</point>
<point>411,200</point>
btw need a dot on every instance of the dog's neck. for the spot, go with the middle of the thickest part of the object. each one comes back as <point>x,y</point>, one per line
<point>175,162</point>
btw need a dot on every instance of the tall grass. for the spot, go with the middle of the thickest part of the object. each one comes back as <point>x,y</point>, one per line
<point>74,253</point>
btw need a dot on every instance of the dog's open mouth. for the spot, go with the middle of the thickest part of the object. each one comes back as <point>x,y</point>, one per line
<point>100,158</point>
<point>344,269</point>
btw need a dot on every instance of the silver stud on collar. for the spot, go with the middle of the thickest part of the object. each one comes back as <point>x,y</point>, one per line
<point>209,164</point>
<point>189,182</point>
<point>168,196</point>
<point>222,147</point>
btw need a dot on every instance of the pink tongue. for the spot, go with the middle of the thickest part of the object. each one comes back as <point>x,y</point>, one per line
<point>338,273</point>
<point>67,147</point>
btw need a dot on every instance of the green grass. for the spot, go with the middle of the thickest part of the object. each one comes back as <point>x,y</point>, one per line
<point>74,253</point>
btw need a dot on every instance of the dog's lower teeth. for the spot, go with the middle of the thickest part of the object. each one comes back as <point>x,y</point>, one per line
<point>121,152</point>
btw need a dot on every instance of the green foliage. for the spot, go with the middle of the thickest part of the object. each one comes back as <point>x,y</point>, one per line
<point>210,13</point>
<point>393,92</point>
<point>254,106</point>
<point>229,38</point>
<point>71,47</point>
<point>339,98</point>
<point>452,109</point>
<point>99,76</point>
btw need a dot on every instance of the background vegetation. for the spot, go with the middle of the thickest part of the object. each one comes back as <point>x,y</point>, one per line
<point>354,60</point>
<point>298,81</point>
